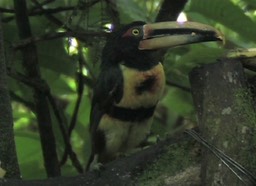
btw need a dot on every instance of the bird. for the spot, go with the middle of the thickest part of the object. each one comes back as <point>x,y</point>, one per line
<point>131,82</point>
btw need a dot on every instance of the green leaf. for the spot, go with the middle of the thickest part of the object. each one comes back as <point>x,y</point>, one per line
<point>53,56</point>
<point>6,3</point>
<point>180,61</point>
<point>132,10</point>
<point>180,101</point>
<point>29,152</point>
<point>226,13</point>
<point>10,32</point>
<point>198,54</point>
<point>27,143</point>
<point>57,82</point>
<point>250,2</point>
<point>25,92</point>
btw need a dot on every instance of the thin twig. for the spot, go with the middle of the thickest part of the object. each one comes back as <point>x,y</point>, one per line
<point>40,85</point>
<point>41,12</point>
<point>49,16</point>
<point>237,169</point>
<point>35,11</point>
<point>6,10</point>
<point>114,14</point>
<point>43,87</point>
<point>84,62</point>
<point>21,100</point>
<point>52,36</point>
<point>80,90</point>
<point>65,135</point>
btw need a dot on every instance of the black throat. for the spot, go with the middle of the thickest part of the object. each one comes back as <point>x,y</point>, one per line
<point>143,60</point>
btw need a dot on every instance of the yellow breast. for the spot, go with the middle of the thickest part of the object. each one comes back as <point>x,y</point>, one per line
<point>122,136</point>
<point>133,79</point>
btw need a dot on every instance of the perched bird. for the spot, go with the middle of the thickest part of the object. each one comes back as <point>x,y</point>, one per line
<point>131,82</point>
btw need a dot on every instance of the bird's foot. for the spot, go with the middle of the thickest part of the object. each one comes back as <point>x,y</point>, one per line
<point>95,165</point>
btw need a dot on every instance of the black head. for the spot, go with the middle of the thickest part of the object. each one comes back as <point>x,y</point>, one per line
<point>122,46</point>
<point>133,45</point>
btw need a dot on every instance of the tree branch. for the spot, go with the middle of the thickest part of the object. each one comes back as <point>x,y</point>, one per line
<point>170,10</point>
<point>21,100</point>
<point>6,10</point>
<point>114,14</point>
<point>43,87</point>
<point>51,36</point>
<point>125,170</point>
<point>41,12</point>
<point>30,63</point>
<point>68,148</point>
<point>48,16</point>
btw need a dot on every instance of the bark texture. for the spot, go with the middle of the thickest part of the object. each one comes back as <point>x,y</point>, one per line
<point>226,119</point>
<point>30,63</point>
<point>8,157</point>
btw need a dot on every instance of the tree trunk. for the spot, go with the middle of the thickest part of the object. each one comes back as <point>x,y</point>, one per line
<point>30,63</point>
<point>8,157</point>
<point>226,119</point>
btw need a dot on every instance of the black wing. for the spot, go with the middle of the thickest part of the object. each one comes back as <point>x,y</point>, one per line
<point>108,89</point>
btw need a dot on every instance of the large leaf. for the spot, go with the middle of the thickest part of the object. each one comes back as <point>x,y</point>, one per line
<point>57,82</point>
<point>180,101</point>
<point>251,2</point>
<point>132,10</point>
<point>21,90</point>
<point>180,61</point>
<point>29,152</point>
<point>10,32</point>
<point>198,54</point>
<point>226,13</point>
<point>6,4</point>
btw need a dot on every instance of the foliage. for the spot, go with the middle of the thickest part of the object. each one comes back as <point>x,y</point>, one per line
<point>59,58</point>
